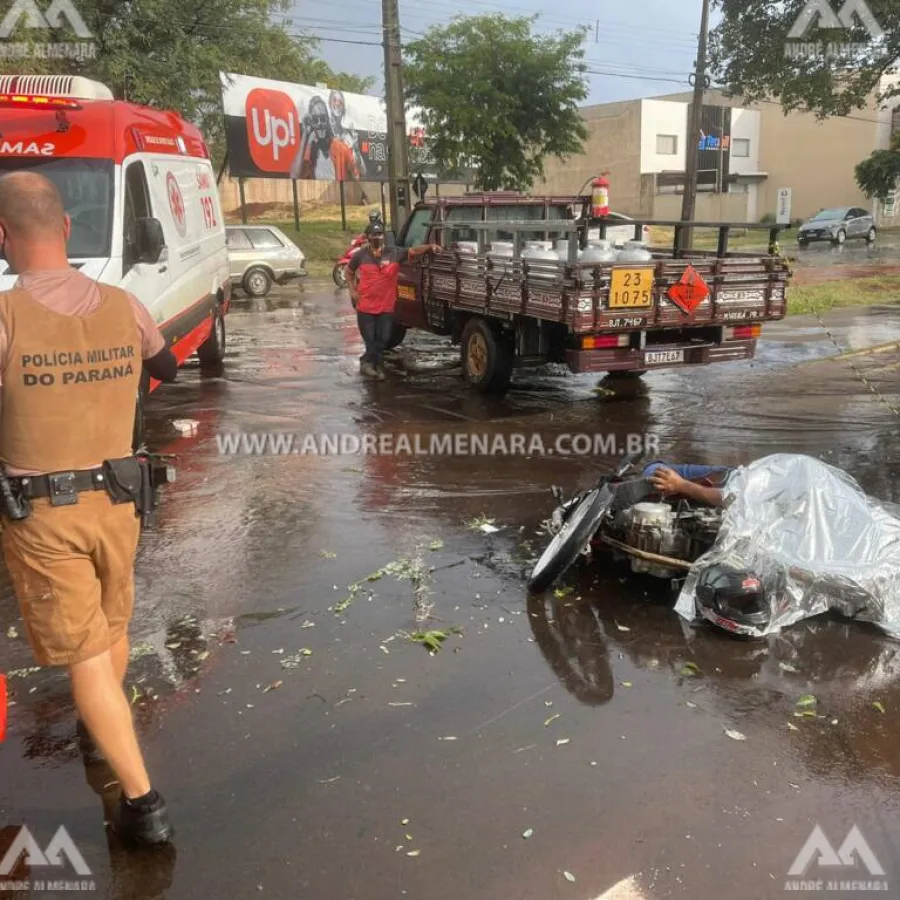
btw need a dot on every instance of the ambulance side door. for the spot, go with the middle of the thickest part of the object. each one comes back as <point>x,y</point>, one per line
<point>148,281</point>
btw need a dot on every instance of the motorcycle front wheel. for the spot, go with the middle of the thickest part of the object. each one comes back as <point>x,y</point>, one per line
<point>339,274</point>
<point>566,547</point>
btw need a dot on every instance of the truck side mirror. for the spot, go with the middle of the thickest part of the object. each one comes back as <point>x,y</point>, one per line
<point>390,239</point>
<point>148,240</point>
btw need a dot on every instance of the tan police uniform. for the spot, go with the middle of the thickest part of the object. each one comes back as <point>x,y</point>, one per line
<point>69,389</point>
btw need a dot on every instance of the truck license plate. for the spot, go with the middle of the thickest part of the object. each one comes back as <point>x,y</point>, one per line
<point>658,357</point>
<point>631,288</point>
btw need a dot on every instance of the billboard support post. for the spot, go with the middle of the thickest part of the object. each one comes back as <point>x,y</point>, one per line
<point>343,206</point>
<point>243,201</point>
<point>296,205</point>
<point>383,205</point>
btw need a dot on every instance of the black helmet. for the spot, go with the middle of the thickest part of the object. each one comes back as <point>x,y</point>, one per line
<point>734,600</point>
<point>376,229</point>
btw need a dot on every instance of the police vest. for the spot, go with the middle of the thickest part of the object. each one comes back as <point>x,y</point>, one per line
<point>70,383</point>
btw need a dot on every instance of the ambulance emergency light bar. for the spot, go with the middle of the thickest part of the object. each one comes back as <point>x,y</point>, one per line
<point>56,92</point>
<point>34,101</point>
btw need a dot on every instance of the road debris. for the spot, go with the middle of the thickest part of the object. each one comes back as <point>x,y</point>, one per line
<point>293,662</point>
<point>735,735</point>
<point>436,545</point>
<point>569,876</point>
<point>327,554</point>
<point>273,686</point>
<point>12,634</point>
<point>622,627</point>
<point>562,742</point>
<point>527,834</point>
<point>432,639</point>
<point>807,701</point>
<point>689,670</point>
<point>879,707</point>
<point>551,719</point>
<point>484,525</point>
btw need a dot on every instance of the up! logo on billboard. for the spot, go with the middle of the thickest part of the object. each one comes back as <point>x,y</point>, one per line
<point>271,129</point>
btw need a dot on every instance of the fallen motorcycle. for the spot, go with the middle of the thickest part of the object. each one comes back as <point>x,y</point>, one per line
<point>626,519</point>
<point>626,516</point>
<point>795,538</point>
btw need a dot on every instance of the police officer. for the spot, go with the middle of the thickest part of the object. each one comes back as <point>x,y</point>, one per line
<point>71,355</point>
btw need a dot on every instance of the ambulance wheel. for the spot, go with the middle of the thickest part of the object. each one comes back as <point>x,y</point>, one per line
<point>258,282</point>
<point>487,359</point>
<point>397,336</point>
<point>212,350</point>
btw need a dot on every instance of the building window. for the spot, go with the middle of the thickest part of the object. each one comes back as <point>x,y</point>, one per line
<point>889,205</point>
<point>667,144</point>
<point>740,147</point>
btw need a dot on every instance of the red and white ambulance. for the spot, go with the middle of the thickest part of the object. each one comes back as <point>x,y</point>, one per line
<point>140,188</point>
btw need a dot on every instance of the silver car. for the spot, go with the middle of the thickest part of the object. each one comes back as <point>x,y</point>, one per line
<point>260,255</point>
<point>845,223</point>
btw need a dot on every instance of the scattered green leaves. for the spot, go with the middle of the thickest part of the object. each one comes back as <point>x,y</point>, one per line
<point>807,701</point>
<point>551,719</point>
<point>879,707</point>
<point>560,593</point>
<point>436,545</point>
<point>689,670</point>
<point>329,555</point>
<point>433,639</point>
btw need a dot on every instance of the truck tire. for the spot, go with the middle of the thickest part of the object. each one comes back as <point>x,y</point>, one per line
<point>212,350</point>
<point>397,336</point>
<point>487,359</point>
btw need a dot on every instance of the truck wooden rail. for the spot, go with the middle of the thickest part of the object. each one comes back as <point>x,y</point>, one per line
<point>679,308</point>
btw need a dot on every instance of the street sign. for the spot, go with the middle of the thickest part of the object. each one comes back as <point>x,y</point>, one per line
<point>783,216</point>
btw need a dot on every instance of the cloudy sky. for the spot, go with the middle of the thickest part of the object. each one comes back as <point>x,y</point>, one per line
<point>640,48</point>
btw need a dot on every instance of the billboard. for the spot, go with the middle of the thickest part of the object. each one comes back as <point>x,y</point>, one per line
<point>275,129</point>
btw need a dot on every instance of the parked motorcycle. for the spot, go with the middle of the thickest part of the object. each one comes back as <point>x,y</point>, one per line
<point>339,272</point>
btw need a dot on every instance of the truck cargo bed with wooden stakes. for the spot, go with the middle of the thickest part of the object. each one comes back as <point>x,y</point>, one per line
<point>509,299</point>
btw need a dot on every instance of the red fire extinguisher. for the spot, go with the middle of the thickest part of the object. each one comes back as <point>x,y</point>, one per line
<point>600,196</point>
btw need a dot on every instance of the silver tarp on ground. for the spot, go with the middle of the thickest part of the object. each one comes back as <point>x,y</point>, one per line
<point>814,539</point>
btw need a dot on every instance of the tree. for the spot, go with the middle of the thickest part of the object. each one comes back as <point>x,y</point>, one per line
<point>168,53</point>
<point>751,54</point>
<point>879,175</point>
<point>499,96</point>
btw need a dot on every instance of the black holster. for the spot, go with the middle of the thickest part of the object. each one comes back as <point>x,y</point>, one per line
<point>134,480</point>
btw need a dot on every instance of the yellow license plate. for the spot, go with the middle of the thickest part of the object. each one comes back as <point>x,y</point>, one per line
<point>406,292</point>
<point>631,288</point>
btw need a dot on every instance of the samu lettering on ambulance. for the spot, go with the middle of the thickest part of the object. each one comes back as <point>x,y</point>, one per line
<point>23,149</point>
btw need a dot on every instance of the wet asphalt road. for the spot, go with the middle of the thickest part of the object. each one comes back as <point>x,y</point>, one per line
<point>370,749</point>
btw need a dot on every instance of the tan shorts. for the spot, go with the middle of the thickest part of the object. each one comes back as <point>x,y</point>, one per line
<point>72,568</point>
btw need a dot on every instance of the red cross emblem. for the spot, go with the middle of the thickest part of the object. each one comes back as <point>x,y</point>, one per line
<point>176,203</point>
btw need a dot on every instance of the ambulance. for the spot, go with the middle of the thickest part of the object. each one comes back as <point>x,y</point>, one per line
<point>141,191</point>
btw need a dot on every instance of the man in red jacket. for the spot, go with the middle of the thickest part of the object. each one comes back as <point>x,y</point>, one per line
<point>374,272</point>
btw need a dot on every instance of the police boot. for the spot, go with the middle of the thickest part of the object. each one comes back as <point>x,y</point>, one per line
<point>143,822</point>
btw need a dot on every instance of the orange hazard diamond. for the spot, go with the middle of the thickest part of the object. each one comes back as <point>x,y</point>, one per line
<point>690,292</point>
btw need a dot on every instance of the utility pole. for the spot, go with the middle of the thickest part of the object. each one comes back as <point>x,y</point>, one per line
<point>690,186</point>
<point>398,151</point>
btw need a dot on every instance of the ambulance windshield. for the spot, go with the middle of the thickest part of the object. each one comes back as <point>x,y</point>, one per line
<point>86,186</point>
